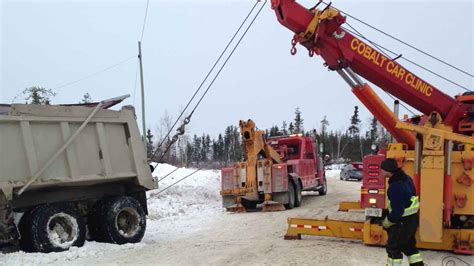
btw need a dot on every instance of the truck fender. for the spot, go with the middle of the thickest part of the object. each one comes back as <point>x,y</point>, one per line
<point>294,178</point>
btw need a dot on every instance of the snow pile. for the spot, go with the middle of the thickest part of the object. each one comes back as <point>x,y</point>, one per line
<point>333,173</point>
<point>175,213</point>
<point>333,170</point>
<point>89,250</point>
<point>185,207</point>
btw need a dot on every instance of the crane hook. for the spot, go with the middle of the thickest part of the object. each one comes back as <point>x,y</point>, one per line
<point>293,50</point>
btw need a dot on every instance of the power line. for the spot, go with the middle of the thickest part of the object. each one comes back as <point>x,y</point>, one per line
<point>95,73</point>
<point>225,62</point>
<point>136,82</point>
<point>405,43</point>
<point>179,181</point>
<point>186,121</point>
<point>144,20</point>
<point>205,79</point>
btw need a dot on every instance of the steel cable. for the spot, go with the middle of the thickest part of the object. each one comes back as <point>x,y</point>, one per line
<point>161,179</point>
<point>405,43</point>
<point>197,170</point>
<point>207,76</point>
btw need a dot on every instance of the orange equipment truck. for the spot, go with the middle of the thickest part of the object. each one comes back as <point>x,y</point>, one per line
<point>274,172</point>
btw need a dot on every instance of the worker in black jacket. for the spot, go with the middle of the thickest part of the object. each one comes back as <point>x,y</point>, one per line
<point>402,219</point>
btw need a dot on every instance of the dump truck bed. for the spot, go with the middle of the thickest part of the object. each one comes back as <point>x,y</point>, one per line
<point>107,149</point>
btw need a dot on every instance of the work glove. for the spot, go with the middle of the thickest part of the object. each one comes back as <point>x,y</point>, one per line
<point>386,223</point>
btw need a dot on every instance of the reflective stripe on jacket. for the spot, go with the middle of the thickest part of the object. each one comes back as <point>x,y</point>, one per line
<point>412,209</point>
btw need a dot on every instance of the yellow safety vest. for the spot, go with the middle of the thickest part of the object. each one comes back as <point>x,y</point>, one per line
<point>412,209</point>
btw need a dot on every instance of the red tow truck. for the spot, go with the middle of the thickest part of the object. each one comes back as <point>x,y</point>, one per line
<point>274,172</point>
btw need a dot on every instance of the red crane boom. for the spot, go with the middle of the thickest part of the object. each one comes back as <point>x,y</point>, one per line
<point>321,32</point>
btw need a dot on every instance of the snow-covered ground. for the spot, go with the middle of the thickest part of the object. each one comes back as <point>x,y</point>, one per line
<point>186,206</point>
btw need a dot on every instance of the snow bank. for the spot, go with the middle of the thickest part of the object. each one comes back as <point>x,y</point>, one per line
<point>174,213</point>
<point>333,173</point>
<point>185,207</point>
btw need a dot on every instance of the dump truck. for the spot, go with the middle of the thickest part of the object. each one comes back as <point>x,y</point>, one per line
<point>274,172</point>
<point>71,172</point>
<point>435,149</point>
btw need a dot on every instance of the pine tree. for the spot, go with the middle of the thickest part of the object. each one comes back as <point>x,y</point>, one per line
<point>355,122</point>
<point>219,153</point>
<point>38,95</point>
<point>149,144</point>
<point>274,131</point>
<point>298,121</point>
<point>291,128</point>
<point>86,98</point>
<point>189,152</point>
<point>355,149</point>
<point>284,130</point>
<point>324,136</point>
<point>196,156</point>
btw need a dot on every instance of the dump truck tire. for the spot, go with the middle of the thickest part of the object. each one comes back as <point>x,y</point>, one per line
<point>122,221</point>
<point>291,196</point>
<point>52,228</point>
<point>324,190</point>
<point>298,196</point>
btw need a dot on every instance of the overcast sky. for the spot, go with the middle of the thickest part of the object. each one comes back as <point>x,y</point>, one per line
<point>53,43</point>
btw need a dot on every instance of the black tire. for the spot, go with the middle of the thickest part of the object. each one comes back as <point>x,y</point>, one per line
<point>324,190</point>
<point>121,221</point>
<point>52,228</point>
<point>298,196</point>
<point>291,196</point>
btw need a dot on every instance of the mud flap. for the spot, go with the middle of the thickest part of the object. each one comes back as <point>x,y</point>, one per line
<point>237,206</point>
<point>272,206</point>
<point>8,231</point>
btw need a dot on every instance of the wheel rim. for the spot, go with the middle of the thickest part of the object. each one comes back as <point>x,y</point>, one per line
<point>63,230</point>
<point>128,222</point>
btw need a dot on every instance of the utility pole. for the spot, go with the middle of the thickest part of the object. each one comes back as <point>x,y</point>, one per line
<point>143,96</point>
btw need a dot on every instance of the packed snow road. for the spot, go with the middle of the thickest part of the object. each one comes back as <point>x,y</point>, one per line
<point>187,226</point>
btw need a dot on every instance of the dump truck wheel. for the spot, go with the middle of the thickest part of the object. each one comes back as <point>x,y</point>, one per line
<point>53,227</point>
<point>122,221</point>
<point>298,196</point>
<point>291,196</point>
<point>324,190</point>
